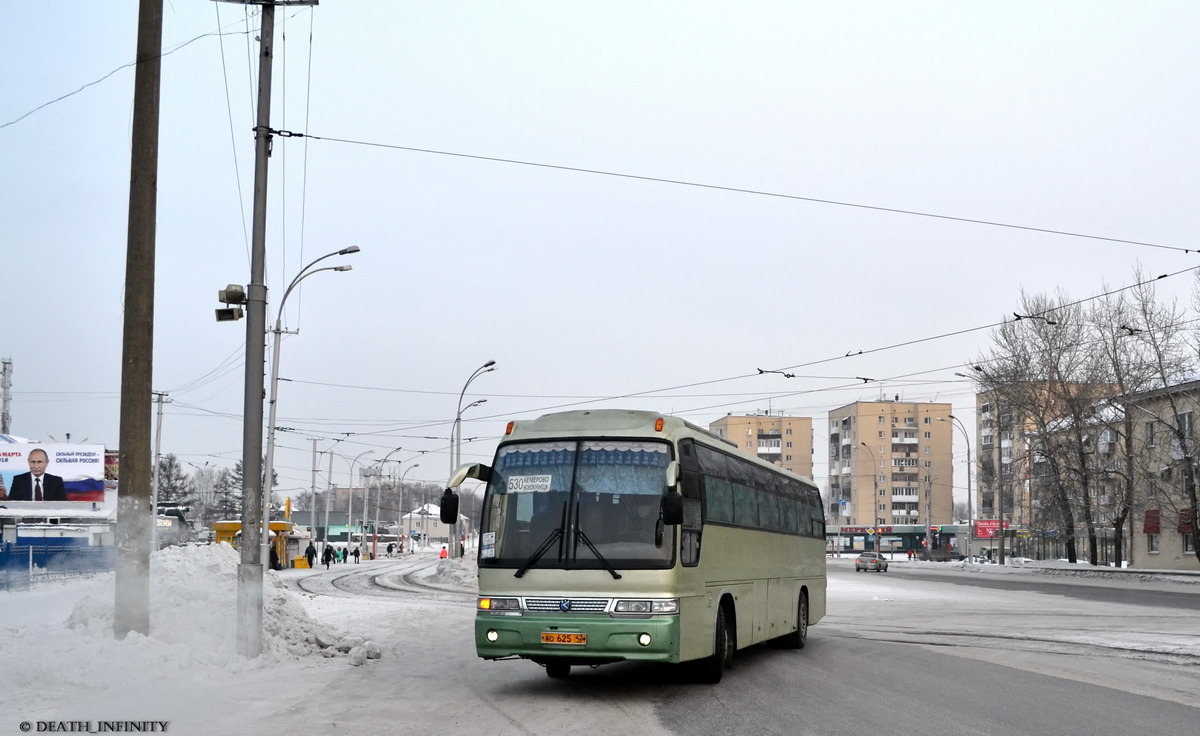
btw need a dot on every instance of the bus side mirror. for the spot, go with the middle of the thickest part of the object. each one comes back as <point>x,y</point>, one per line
<point>672,474</point>
<point>672,508</point>
<point>474,471</point>
<point>449,507</point>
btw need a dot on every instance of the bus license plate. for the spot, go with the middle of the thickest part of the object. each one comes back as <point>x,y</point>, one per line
<point>553,637</point>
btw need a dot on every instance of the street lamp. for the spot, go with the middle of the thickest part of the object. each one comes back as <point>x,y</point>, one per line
<point>350,500</point>
<point>400,513</point>
<point>367,499</point>
<point>268,464</point>
<point>970,460</point>
<point>875,492</point>
<point>329,491</point>
<point>998,478</point>
<point>456,442</point>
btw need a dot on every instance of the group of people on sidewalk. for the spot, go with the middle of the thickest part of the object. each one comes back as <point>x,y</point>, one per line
<point>332,554</point>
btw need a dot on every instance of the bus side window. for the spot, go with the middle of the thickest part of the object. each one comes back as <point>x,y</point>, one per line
<point>690,532</point>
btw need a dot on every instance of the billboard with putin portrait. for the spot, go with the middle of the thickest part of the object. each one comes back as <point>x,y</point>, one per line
<point>71,472</point>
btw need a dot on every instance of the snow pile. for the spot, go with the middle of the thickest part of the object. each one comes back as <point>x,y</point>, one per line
<point>193,608</point>
<point>460,573</point>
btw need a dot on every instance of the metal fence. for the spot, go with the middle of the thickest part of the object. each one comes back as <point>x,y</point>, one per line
<point>23,566</point>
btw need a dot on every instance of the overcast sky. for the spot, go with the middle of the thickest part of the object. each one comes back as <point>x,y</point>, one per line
<point>754,174</point>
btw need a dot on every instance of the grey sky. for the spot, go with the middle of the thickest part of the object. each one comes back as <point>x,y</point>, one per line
<point>1066,116</point>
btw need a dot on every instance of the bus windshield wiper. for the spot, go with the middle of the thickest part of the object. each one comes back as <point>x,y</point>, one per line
<point>581,536</point>
<point>553,537</point>
<point>607,566</point>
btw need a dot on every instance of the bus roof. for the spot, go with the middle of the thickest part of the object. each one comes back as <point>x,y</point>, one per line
<point>621,423</point>
<point>614,422</point>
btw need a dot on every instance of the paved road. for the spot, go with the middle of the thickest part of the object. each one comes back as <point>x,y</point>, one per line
<point>902,652</point>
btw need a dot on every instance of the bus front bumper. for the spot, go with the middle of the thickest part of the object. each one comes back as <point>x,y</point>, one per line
<point>578,638</point>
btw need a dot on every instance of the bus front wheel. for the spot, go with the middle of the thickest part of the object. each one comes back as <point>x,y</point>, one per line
<point>724,643</point>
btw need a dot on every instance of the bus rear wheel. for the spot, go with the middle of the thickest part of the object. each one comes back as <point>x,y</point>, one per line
<point>797,638</point>
<point>712,668</point>
<point>558,670</point>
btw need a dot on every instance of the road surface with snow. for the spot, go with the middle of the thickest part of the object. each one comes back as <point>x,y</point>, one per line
<point>922,647</point>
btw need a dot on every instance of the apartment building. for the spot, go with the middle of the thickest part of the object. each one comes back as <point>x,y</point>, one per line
<point>1001,478</point>
<point>890,462</point>
<point>784,441</point>
<point>1164,533</point>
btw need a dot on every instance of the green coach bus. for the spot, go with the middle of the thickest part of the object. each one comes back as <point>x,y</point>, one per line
<point>616,535</point>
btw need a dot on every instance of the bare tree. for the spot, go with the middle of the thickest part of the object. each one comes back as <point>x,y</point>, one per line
<point>1042,370</point>
<point>1170,350</point>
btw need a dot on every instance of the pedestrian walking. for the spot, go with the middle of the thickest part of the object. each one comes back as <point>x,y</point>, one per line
<point>391,548</point>
<point>310,554</point>
<point>328,556</point>
<point>356,555</point>
<point>274,558</point>
<point>444,553</point>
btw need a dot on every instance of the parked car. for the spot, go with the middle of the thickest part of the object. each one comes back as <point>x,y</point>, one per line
<point>870,561</point>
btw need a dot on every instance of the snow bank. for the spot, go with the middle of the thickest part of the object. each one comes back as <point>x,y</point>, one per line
<point>193,613</point>
<point>460,573</point>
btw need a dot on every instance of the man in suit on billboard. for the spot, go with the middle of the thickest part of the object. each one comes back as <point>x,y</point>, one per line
<point>37,484</point>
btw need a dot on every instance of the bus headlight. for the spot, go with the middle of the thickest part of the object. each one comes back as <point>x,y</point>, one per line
<point>646,607</point>
<point>492,635</point>
<point>506,606</point>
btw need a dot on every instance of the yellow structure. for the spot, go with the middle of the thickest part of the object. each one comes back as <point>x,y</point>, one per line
<point>231,532</point>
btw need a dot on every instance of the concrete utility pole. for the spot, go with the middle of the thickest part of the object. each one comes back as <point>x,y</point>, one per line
<point>6,370</point>
<point>312,498</point>
<point>255,525</point>
<point>134,515</point>
<point>160,398</point>
<point>328,499</point>
<point>250,569</point>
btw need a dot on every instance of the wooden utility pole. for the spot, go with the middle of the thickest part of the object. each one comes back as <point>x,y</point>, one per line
<point>134,515</point>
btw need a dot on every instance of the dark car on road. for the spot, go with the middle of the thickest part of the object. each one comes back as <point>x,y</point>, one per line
<point>870,561</point>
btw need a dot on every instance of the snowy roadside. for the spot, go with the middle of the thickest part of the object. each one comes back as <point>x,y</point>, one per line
<point>1079,572</point>
<point>59,639</point>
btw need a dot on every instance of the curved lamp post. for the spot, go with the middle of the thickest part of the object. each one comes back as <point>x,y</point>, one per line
<point>456,443</point>
<point>268,464</point>
<point>400,512</point>
<point>875,492</point>
<point>350,500</point>
<point>970,460</point>
<point>367,500</point>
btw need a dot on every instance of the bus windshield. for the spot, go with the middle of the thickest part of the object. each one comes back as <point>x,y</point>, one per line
<point>581,498</point>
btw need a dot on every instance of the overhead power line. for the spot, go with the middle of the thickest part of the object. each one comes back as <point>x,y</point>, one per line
<point>738,190</point>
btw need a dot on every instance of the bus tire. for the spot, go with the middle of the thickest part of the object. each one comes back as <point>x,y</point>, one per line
<point>558,670</point>
<point>724,643</point>
<point>799,637</point>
